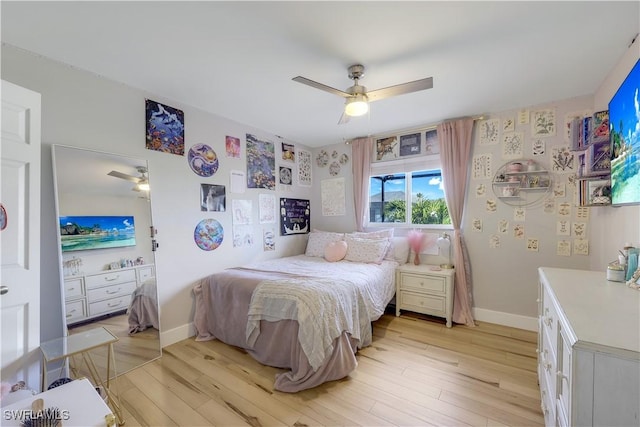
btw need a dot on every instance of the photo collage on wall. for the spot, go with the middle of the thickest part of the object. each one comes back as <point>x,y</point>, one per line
<point>529,134</point>
<point>402,146</point>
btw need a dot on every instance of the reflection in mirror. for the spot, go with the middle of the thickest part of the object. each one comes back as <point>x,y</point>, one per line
<point>106,255</point>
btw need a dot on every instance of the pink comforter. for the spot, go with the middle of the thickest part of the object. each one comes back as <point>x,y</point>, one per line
<point>222,304</point>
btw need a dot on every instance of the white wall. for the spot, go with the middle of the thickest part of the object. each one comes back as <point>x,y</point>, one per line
<point>614,226</point>
<point>81,109</point>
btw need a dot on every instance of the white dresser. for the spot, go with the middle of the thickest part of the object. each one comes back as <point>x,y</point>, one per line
<point>589,349</point>
<point>97,294</point>
<point>425,289</point>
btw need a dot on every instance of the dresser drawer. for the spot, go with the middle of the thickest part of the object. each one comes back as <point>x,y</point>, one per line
<point>119,290</point>
<point>547,400</point>
<point>549,317</point>
<point>547,362</point>
<point>423,283</point>
<point>74,311</point>
<point>73,288</point>
<point>109,305</point>
<point>145,273</point>
<point>564,375</point>
<point>110,278</point>
<point>420,303</point>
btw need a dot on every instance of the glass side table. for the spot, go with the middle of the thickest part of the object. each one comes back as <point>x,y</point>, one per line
<point>79,345</point>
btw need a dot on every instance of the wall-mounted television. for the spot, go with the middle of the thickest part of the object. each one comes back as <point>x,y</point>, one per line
<point>81,233</point>
<point>624,122</point>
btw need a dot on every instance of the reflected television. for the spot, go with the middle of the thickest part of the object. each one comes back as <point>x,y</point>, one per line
<point>624,124</point>
<point>81,233</point>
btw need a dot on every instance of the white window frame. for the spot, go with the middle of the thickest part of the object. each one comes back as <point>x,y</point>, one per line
<point>406,166</point>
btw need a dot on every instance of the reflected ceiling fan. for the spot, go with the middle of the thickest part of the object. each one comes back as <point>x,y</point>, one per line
<point>142,181</point>
<point>358,98</point>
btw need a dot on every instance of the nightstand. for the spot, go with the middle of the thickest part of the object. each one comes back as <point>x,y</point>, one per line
<point>425,289</point>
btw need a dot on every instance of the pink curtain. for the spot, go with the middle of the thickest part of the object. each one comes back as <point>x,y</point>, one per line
<point>361,164</point>
<point>455,151</point>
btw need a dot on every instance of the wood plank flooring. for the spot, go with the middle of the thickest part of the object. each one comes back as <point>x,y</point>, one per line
<point>417,372</point>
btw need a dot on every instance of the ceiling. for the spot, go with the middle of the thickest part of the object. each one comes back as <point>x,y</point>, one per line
<point>93,167</point>
<point>237,59</point>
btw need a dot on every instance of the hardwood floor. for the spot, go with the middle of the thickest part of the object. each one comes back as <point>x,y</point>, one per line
<point>130,351</point>
<point>417,372</point>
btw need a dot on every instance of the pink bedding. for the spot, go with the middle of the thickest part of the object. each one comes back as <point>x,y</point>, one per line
<point>222,305</point>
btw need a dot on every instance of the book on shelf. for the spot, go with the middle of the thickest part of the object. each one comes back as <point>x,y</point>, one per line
<point>585,131</point>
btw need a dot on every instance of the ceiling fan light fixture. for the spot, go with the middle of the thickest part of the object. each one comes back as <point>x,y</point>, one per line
<point>356,105</point>
<point>143,186</point>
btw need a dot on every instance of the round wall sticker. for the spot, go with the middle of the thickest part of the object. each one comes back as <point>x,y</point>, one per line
<point>3,217</point>
<point>208,234</point>
<point>203,160</point>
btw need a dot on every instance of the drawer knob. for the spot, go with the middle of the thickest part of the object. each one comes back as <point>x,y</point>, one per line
<point>110,292</point>
<point>561,375</point>
<point>111,278</point>
<point>548,320</point>
<point>547,366</point>
<point>115,304</point>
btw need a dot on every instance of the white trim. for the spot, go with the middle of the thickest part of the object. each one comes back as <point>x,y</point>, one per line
<point>177,334</point>
<point>506,319</point>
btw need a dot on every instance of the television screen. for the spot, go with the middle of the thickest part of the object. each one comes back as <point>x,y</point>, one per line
<point>624,122</point>
<point>79,233</point>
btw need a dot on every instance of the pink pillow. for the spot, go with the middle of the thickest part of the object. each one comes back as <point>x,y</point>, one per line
<point>335,251</point>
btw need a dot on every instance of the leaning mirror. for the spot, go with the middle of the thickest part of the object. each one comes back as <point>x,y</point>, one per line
<point>105,250</point>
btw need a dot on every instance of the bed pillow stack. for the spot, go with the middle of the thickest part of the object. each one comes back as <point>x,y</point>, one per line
<point>318,241</point>
<point>368,249</point>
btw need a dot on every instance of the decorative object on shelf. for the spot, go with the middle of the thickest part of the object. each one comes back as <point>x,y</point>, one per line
<point>416,242</point>
<point>71,266</point>
<point>521,182</point>
<point>444,243</point>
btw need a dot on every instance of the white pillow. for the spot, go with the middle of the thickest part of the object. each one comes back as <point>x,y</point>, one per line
<point>400,250</point>
<point>318,240</point>
<point>379,234</point>
<point>366,250</point>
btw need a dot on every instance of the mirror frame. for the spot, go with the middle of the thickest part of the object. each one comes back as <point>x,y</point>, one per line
<point>56,153</point>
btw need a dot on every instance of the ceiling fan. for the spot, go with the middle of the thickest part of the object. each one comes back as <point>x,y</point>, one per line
<point>358,98</point>
<point>142,181</point>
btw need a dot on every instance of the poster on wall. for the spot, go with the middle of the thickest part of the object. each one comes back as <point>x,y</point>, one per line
<point>295,216</point>
<point>410,144</point>
<point>212,198</point>
<point>232,146</point>
<point>165,128</point>
<point>387,149</point>
<point>333,197</point>
<point>261,163</point>
<point>79,233</point>
<point>431,144</point>
<point>304,168</point>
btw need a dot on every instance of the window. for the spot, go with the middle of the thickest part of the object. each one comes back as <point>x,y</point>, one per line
<point>389,198</point>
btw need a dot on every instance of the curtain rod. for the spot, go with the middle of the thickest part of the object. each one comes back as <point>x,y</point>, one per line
<point>410,130</point>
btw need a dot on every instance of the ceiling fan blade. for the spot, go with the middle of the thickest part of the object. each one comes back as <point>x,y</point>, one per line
<point>344,118</point>
<point>320,86</point>
<point>414,86</point>
<point>124,176</point>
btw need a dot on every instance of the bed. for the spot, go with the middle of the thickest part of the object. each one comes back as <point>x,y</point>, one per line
<point>301,313</point>
<point>143,308</point>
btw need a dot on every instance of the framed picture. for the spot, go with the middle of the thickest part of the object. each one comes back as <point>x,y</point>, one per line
<point>599,192</point>
<point>295,216</point>
<point>410,144</point>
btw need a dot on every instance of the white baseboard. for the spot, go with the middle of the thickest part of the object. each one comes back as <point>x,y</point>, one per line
<point>506,319</point>
<point>174,335</point>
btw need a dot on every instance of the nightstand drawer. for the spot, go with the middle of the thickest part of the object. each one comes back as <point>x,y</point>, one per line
<point>422,283</point>
<point>420,303</point>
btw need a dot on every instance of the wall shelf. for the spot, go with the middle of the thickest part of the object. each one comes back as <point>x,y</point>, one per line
<point>521,182</point>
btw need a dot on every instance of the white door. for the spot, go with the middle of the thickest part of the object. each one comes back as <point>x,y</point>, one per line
<point>20,235</point>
